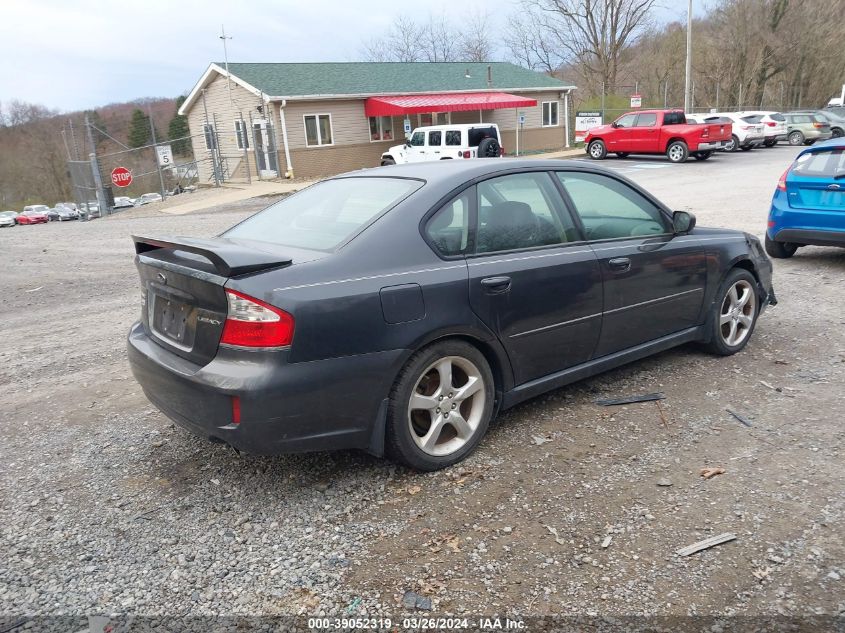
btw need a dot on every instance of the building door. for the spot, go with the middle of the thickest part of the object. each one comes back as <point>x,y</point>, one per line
<point>265,148</point>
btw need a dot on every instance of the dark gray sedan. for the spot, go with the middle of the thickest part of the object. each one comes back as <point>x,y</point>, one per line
<point>397,310</point>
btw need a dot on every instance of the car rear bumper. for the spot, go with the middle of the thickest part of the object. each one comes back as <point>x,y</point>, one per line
<point>811,237</point>
<point>284,407</point>
<point>714,145</point>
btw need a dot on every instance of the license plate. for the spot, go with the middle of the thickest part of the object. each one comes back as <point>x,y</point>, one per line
<point>170,318</point>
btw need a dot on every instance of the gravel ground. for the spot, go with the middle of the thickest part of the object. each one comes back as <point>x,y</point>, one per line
<point>567,508</point>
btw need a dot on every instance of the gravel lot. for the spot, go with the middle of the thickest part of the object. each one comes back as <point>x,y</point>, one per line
<point>567,508</point>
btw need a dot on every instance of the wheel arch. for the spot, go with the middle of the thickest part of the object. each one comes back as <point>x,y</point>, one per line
<point>675,139</point>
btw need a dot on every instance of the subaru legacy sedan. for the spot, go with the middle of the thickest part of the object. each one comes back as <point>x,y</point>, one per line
<point>399,309</point>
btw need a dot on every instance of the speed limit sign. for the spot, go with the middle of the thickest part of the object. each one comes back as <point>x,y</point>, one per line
<point>165,155</point>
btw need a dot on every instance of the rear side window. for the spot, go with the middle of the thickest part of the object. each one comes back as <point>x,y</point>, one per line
<point>435,138</point>
<point>478,134</point>
<point>824,164</point>
<point>453,137</point>
<point>673,118</point>
<point>326,214</point>
<point>448,229</point>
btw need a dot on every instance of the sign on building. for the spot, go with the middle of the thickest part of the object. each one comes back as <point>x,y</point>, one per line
<point>165,155</point>
<point>636,101</point>
<point>584,122</point>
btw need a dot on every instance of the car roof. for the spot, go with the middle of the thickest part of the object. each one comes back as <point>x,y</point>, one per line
<point>455,126</point>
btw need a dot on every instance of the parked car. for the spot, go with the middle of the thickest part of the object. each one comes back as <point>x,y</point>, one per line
<point>806,129</point>
<point>745,134</point>
<point>656,132</point>
<point>441,142</point>
<point>836,121</point>
<point>8,218</point>
<point>774,123</point>
<point>66,213</point>
<point>91,209</point>
<point>808,207</point>
<point>148,198</point>
<point>123,202</point>
<point>33,216</point>
<point>398,309</point>
<point>41,208</point>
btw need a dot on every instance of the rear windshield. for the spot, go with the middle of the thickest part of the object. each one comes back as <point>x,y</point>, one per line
<point>823,164</point>
<point>478,134</point>
<point>754,118</point>
<point>326,214</point>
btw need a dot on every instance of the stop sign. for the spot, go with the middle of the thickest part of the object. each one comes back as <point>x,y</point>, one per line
<point>121,177</point>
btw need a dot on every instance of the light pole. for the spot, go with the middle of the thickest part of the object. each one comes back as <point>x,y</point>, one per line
<point>687,85</point>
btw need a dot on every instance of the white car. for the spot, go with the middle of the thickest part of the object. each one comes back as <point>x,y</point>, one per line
<point>147,198</point>
<point>775,125</point>
<point>442,142</point>
<point>123,202</point>
<point>7,218</point>
<point>746,133</point>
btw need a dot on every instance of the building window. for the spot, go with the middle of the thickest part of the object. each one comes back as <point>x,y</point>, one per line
<point>241,135</point>
<point>381,128</point>
<point>550,110</point>
<point>210,136</point>
<point>318,129</point>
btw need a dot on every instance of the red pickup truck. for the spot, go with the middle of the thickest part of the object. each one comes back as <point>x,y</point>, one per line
<point>657,132</point>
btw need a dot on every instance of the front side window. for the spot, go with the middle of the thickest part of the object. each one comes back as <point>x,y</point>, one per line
<point>381,128</point>
<point>647,120</point>
<point>240,134</point>
<point>520,211</point>
<point>318,129</point>
<point>417,140</point>
<point>448,229</point>
<point>626,120</point>
<point>550,113</point>
<point>325,214</point>
<point>608,208</point>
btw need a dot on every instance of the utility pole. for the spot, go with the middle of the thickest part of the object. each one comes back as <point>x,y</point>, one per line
<point>224,37</point>
<point>73,140</point>
<point>95,169</point>
<point>155,152</point>
<point>687,85</point>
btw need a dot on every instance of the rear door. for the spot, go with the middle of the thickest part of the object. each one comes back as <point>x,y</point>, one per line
<point>533,280</point>
<point>654,281</point>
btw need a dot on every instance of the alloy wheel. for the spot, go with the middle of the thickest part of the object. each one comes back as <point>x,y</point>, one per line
<point>736,316</point>
<point>446,406</point>
<point>676,153</point>
<point>595,150</point>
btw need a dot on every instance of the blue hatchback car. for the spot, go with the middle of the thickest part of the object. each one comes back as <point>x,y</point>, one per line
<point>808,207</point>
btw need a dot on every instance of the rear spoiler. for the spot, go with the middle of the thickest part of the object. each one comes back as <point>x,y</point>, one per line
<point>229,258</point>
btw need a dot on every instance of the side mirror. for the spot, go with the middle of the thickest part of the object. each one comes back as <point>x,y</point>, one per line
<point>614,124</point>
<point>682,222</point>
<point>407,142</point>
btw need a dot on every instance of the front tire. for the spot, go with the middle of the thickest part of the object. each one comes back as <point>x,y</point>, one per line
<point>796,138</point>
<point>780,250</point>
<point>677,152</point>
<point>597,150</point>
<point>734,313</point>
<point>440,406</point>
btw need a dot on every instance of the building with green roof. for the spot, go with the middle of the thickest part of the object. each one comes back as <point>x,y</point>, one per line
<point>317,119</point>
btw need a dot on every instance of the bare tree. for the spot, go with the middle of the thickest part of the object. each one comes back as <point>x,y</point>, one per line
<point>529,43</point>
<point>592,34</point>
<point>439,40</point>
<point>477,38</point>
<point>403,43</point>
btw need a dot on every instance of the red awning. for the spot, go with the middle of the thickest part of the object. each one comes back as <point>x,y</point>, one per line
<point>415,104</point>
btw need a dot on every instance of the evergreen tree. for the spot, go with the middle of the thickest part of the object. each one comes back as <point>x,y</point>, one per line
<point>139,129</point>
<point>178,131</point>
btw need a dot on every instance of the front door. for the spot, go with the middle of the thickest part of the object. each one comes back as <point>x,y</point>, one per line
<point>416,150</point>
<point>265,154</point>
<point>619,140</point>
<point>533,281</point>
<point>654,281</point>
<point>645,135</point>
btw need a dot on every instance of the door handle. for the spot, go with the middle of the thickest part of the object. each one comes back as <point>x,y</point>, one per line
<point>619,264</point>
<point>496,285</point>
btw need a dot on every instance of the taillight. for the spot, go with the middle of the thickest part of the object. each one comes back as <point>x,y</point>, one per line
<point>782,181</point>
<point>467,154</point>
<point>818,124</point>
<point>746,127</point>
<point>253,323</point>
<point>705,133</point>
<point>771,123</point>
<point>501,150</point>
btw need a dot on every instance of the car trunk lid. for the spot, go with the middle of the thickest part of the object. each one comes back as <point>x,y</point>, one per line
<point>816,193</point>
<point>183,285</point>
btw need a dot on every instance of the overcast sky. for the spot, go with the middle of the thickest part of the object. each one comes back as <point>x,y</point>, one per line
<point>76,54</point>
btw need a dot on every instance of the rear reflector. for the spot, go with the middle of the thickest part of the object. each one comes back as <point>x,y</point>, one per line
<point>236,410</point>
<point>253,323</point>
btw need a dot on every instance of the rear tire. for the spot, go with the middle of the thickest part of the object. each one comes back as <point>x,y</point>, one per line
<point>770,142</point>
<point>597,150</point>
<point>420,433</point>
<point>677,152</point>
<point>796,138</point>
<point>747,148</point>
<point>836,132</point>
<point>733,314</point>
<point>780,250</point>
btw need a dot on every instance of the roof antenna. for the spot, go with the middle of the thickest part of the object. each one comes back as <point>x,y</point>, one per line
<point>489,76</point>
<point>224,37</point>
